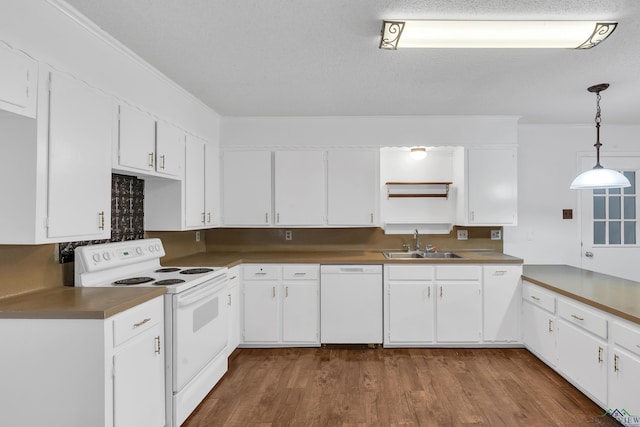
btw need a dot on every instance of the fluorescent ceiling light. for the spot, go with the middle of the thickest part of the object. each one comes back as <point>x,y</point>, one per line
<point>494,34</point>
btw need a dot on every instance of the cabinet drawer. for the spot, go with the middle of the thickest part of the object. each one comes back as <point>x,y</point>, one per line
<point>261,272</point>
<point>451,272</point>
<point>137,319</point>
<point>584,317</point>
<point>539,297</point>
<point>410,272</point>
<point>301,272</point>
<point>627,337</point>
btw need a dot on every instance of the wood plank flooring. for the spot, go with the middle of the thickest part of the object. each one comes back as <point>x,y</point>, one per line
<point>393,387</point>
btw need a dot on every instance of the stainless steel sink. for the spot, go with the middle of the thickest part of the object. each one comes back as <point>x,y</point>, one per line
<point>419,255</point>
<point>402,255</point>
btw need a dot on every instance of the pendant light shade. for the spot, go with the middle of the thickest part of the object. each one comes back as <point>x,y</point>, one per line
<point>599,177</point>
<point>418,153</point>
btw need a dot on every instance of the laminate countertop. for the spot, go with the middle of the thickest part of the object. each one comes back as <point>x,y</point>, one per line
<point>611,294</point>
<point>68,302</point>
<point>230,259</point>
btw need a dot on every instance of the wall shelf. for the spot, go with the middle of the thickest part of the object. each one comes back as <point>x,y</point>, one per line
<point>417,189</point>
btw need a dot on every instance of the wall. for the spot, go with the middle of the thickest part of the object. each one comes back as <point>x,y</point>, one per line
<point>548,160</point>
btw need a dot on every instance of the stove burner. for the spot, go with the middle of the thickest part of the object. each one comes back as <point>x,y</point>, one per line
<point>196,270</point>
<point>167,270</point>
<point>166,282</point>
<point>133,281</point>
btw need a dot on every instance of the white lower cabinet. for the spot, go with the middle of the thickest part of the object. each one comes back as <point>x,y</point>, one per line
<point>85,372</point>
<point>539,322</point>
<point>458,304</point>
<point>281,305</point>
<point>624,372</point>
<point>409,305</point>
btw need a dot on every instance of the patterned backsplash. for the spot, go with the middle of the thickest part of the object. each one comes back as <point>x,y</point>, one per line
<point>127,215</point>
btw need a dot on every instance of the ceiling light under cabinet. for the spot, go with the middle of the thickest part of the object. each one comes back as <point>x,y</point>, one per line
<point>418,153</point>
<point>494,34</point>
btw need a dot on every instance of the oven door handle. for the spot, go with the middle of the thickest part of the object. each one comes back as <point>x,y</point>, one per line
<point>198,295</point>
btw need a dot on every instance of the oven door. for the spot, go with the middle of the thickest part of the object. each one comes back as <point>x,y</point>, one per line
<point>199,329</point>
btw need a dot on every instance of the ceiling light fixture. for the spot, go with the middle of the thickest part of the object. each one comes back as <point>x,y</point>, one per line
<point>418,153</point>
<point>599,177</point>
<point>494,34</point>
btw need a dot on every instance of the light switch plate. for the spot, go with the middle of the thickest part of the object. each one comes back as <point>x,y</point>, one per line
<point>496,234</point>
<point>463,234</point>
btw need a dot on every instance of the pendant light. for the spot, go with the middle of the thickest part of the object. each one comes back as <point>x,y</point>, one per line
<point>599,177</point>
<point>418,153</point>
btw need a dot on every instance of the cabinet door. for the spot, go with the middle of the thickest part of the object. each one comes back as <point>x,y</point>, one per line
<point>502,298</point>
<point>492,186</point>
<point>458,312</point>
<point>301,312</point>
<point>138,381</point>
<point>233,303</point>
<point>539,332</point>
<point>194,183</point>
<point>624,385</point>
<point>583,358</point>
<point>212,185</point>
<point>299,187</point>
<point>246,188</point>
<point>18,80</point>
<point>79,204</point>
<point>169,150</point>
<point>410,312</point>
<point>352,181</point>
<point>137,139</point>
<point>260,311</point>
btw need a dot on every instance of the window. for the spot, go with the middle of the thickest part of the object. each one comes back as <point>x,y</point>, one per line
<point>615,214</point>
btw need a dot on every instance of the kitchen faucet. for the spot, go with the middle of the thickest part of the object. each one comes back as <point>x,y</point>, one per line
<point>416,238</point>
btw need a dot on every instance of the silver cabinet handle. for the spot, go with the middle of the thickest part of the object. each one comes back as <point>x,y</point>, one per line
<point>550,325</point>
<point>278,218</point>
<point>208,217</point>
<point>101,216</point>
<point>371,218</point>
<point>228,299</point>
<point>600,354</point>
<point>535,298</point>
<point>266,217</point>
<point>158,344</point>
<point>440,291</point>
<point>588,254</point>
<point>616,368</point>
<point>577,317</point>
<point>151,159</point>
<point>162,161</point>
<point>429,292</point>
<point>142,322</point>
<point>203,218</point>
<point>299,274</point>
<point>260,273</point>
<point>273,292</point>
<point>286,292</point>
<point>500,272</point>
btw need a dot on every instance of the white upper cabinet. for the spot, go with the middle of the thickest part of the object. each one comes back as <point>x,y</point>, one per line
<point>195,214</point>
<point>58,176</point>
<point>211,185</point>
<point>246,188</point>
<point>79,161</point>
<point>487,186</point>
<point>18,82</point>
<point>352,177</point>
<point>136,140</point>
<point>169,150</point>
<point>299,188</point>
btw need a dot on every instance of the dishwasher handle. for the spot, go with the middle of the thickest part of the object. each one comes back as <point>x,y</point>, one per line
<point>351,269</point>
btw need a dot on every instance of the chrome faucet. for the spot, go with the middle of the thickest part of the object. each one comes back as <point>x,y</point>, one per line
<point>416,238</point>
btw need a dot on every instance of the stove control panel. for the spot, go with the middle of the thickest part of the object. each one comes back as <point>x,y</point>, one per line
<point>118,254</point>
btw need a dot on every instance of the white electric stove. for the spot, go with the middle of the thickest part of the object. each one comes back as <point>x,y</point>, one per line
<point>196,319</point>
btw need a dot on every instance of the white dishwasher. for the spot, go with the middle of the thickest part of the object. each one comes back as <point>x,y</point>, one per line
<point>351,304</point>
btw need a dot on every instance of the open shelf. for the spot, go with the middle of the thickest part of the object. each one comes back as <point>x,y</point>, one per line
<point>417,189</point>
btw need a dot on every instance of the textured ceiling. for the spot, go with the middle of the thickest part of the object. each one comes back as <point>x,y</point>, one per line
<point>321,57</point>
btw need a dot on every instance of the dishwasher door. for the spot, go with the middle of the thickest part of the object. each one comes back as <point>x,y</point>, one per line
<point>351,304</point>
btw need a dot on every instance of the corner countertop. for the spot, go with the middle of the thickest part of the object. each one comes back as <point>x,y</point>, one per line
<point>614,295</point>
<point>74,303</point>
<point>230,259</point>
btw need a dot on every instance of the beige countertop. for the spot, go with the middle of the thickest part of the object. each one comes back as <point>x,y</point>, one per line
<point>68,302</point>
<point>608,293</point>
<point>229,259</point>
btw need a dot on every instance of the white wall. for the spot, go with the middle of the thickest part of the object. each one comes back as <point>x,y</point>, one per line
<point>547,163</point>
<point>48,32</point>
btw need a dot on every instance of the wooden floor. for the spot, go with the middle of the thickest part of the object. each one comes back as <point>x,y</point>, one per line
<point>393,387</point>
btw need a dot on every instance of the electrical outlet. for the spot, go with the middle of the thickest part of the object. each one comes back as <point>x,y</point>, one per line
<point>288,235</point>
<point>496,234</point>
<point>197,236</point>
<point>463,234</point>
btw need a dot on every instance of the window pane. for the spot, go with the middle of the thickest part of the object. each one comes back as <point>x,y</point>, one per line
<point>598,208</point>
<point>629,232</point>
<point>599,191</point>
<point>630,207</point>
<point>614,233</point>
<point>599,233</point>
<point>614,207</point>
<point>631,176</point>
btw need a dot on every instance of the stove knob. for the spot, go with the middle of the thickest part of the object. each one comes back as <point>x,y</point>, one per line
<point>151,248</point>
<point>139,250</point>
<point>158,247</point>
<point>106,256</point>
<point>96,257</point>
